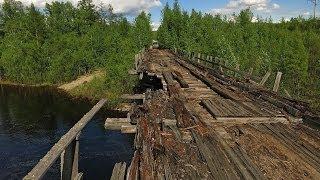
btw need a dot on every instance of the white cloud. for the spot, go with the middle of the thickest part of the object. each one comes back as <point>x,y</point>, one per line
<point>119,6</point>
<point>276,6</point>
<point>306,13</point>
<point>237,5</point>
<point>155,26</point>
<point>254,19</point>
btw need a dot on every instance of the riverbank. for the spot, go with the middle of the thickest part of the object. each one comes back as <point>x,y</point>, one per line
<point>91,87</point>
<point>87,78</point>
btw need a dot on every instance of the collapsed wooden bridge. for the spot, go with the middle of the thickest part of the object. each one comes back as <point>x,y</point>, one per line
<point>204,124</point>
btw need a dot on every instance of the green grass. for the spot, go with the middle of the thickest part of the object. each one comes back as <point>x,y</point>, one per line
<point>98,88</point>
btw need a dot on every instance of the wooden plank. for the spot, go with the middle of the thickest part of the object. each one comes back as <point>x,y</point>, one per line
<point>220,103</point>
<point>234,158</point>
<point>133,170</point>
<point>181,81</point>
<point>46,162</point>
<point>277,82</point>
<point>205,151</point>
<point>265,78</point>
<point>256,110</point>
<point>215,112</point>
<point>302,152</point>
<point>116,123</point>
<point>118,172</point>
<point>245,120</point>
<point>133,96</point>
<point>128,129</point>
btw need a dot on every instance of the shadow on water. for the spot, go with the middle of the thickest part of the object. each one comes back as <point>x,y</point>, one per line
<point>33,119</point>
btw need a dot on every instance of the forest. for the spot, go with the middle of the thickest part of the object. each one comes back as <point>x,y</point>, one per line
<point>292,47</point>
<point>60,42</point>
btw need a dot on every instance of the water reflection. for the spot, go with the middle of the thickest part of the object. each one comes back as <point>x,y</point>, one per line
<point>33,119</point>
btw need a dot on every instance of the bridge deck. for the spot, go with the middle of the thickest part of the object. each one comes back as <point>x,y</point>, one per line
<point>204,127</point>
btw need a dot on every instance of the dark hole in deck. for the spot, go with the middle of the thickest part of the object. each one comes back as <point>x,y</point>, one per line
<point>148,82</point>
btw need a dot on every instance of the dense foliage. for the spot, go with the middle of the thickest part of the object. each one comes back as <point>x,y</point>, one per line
<point>290,47</point>
<point>61,42</point>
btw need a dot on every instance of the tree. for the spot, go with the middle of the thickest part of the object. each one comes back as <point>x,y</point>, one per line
<point>143,30</point>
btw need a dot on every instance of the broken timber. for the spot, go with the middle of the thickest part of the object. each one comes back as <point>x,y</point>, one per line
<point>177,138</point>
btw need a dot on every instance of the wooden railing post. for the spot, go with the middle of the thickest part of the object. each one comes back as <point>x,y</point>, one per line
<point>265,78</point>
<point>277,82</point>
<point>70,161</point>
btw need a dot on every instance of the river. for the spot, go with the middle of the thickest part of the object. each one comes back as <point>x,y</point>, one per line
<point>32,120</point>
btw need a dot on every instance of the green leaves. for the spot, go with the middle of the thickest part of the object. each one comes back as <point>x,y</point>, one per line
<point>291,47</point>
<point>142,30</point>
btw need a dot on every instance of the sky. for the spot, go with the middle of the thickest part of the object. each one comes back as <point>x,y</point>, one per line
<point>261,8</point>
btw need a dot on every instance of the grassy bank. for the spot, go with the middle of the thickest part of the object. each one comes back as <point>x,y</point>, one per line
<point>99,88</point>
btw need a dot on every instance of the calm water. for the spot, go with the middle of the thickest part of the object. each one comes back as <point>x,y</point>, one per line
<point>32,120</point>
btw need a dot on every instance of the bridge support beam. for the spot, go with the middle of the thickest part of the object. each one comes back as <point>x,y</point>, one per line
<point>70,161</point>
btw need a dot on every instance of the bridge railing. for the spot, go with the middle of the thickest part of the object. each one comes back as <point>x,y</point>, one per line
<point>67,148</point>
<point>217,62</point>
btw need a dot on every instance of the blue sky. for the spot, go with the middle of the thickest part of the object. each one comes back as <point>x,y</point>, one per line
<point>262,8</point>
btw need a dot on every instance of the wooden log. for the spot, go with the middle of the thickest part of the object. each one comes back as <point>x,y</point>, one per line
<point>128,129</point>
<point>265,78</point>
<point>168,77</point>
<point>277,82</point>
<point>168,122</point>
<point>199,57</point>
<point>181,81</point>
<point>308,157</point>
<point>133,170</point>
<point>46,162</point>
<point>69,161</point>
<point>250,72</point>
<point>217,87</point>
<point>133,96</point>
<point>246,120</point>
<point>116,123</point>
<point>287,93</point>
<point>118,172</point>
<point>132,72</point>
<point>205,151</point>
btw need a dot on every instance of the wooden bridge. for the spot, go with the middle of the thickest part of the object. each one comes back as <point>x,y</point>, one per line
<point>209,121</point>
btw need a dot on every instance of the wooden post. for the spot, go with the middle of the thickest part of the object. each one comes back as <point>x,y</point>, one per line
<point>265,78</point>
<point>277,82</point>
<point>67,148</point>
<point>287,93</point>
<point>199,56</point>
<point>208,59</point>
<point>69,160</point>
<point>237,68</point>
<point>136,62</point>
<point>250,71</point>
<point>220,67</point>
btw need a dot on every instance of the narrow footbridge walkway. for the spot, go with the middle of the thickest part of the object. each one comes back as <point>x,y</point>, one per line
<point>206,121</point>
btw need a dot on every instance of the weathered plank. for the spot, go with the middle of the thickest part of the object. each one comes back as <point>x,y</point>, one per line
<point>246,120</point>
<point>133,96</point>
<point>46,162</point>
<point>118,172</point>
<point>265,78</point>
<point>128,129</point>
<point>277,82</point>
<point>116,123</point>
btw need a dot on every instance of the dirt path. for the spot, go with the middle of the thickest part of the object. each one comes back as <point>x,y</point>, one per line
<point>81,80</point>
